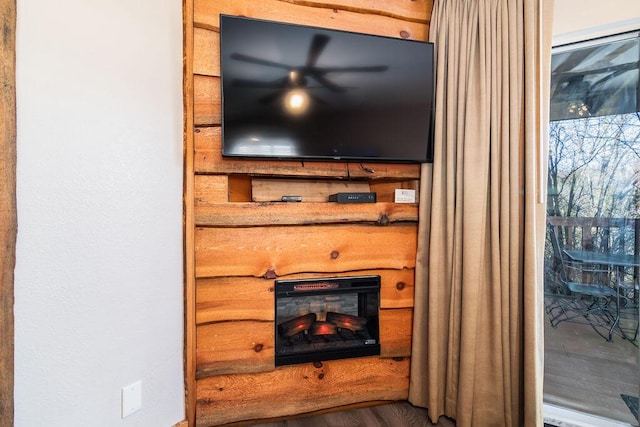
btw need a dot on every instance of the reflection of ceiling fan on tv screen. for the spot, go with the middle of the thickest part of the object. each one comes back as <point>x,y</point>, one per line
<point>297,75</point>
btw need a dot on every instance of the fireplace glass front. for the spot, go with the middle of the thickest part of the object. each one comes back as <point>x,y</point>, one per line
<point>326,319</point>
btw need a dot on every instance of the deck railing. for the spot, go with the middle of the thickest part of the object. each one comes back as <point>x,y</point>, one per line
<point>617,235</point>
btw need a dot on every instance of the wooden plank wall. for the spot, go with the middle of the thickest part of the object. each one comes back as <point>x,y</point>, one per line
<point>8,213</point>
<point>235,246</point>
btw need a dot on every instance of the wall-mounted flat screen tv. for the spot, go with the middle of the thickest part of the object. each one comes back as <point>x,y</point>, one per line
<point>299,92</point>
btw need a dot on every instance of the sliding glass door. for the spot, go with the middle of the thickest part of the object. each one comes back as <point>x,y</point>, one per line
<point>592,252</point>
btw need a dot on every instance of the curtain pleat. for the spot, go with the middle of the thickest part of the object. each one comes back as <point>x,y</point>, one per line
<point>477,340</point>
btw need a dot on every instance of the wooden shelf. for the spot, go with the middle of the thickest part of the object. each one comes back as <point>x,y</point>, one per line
<point>208,160</point>
<point>282,213</point>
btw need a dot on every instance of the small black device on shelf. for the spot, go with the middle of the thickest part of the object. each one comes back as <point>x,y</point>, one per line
<point>353,197</point>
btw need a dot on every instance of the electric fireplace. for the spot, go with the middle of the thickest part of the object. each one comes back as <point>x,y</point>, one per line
<point>326,319</point>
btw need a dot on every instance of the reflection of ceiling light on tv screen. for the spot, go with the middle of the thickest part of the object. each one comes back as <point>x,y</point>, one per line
<point>296,101</point>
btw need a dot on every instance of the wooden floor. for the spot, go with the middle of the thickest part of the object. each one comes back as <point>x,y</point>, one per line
<point>399,414</point>
<point>584,372</point>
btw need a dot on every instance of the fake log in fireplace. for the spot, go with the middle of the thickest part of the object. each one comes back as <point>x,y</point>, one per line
<point>326,319</point>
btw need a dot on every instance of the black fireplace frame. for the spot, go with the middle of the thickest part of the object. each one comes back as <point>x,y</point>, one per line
<point>367,289</point>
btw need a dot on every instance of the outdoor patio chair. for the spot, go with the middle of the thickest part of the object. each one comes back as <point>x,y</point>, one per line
<point>629,307</point>
<point>588,295</point>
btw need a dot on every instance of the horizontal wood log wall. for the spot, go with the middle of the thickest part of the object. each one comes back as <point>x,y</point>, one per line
<point>236,244</point>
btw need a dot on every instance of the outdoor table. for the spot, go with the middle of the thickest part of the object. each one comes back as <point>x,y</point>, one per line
<point>618,262</point>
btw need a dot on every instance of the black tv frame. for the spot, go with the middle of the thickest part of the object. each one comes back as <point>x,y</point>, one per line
<point>426,147</point>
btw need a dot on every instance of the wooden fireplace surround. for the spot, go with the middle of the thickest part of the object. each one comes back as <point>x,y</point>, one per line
<point>237,244</point>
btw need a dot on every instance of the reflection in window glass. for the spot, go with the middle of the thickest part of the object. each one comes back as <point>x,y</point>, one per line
<point>595,80</point>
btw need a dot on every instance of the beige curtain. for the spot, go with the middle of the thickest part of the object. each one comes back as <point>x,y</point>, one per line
<point>478,336</point>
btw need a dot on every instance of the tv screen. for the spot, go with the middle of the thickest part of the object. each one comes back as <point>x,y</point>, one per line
<point>299,92</point>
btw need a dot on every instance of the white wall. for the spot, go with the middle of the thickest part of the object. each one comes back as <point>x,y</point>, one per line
<point>98,283</point>
<point>578,20</point>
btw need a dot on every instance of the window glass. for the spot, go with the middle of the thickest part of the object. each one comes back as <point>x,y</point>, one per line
<point>592,255</point>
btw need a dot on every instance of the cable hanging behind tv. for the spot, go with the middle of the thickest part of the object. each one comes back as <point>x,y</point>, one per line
<point>295,92</point>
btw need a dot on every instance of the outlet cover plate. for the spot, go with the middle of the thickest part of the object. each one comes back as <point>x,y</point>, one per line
<point>131,398</point>
<point>405,196</point>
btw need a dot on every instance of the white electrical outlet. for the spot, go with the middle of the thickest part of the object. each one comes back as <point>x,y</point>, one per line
<point>131,398</point>
<point>405,196</point>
